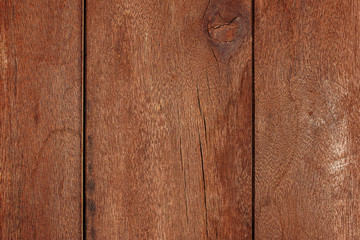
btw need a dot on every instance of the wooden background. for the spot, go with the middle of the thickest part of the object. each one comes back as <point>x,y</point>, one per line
<point>195,119</point>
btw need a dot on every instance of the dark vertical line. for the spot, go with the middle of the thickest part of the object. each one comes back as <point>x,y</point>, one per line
<point>253,118</point>
<point>84,116</point>
<point>204,186</point>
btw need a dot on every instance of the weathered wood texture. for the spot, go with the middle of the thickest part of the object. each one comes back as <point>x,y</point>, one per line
<point>168,122</point>
<point>307,119</point>
<point>40,119</point>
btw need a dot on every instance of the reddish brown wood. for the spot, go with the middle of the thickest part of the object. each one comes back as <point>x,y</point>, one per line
<point>168,123</point>
<point>307,114</point>
<point>40,119</point>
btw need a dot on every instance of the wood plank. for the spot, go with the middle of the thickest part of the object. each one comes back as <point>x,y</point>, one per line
<point>307,111</point>
<point>168,122</point>
<point>40,119</point>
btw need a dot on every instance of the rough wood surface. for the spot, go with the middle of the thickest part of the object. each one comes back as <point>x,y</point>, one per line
<point>40,119</point>
<point>168,122</point>
<point>307,119</point>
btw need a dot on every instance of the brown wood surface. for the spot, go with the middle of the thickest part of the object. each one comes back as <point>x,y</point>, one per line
<point>168,122</point>
<point>307,119</point>
<point>40,119</point>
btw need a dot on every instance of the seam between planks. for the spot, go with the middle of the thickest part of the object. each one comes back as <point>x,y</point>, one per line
<point>83,119</point>
<point>253,118</point>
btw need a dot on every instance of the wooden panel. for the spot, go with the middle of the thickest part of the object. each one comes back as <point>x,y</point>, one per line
<point>168,123</point>
<point>307,113</point>
<point>40,119</point>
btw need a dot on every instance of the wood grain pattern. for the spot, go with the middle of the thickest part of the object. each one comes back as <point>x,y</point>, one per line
<point>168,122</point>
<point>40,119</point>
<point>307,111</point>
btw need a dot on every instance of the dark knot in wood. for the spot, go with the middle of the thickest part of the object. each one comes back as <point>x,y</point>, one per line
<point>224,31</point>
<point>227,25</point>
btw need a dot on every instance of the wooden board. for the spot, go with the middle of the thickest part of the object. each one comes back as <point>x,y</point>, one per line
<point>168,122</point>
<point>40,119</point>
<point>307,113</point>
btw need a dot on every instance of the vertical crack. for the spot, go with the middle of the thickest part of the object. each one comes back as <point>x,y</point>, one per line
<point>185,187</point>
<point>205,129</point>
<point>217,62</point>
<point>198,98</point>
<point>200,110</point>
<point>204,186</point>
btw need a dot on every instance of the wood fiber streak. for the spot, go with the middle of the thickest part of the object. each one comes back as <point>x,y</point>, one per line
<point>168,122</point>
<point>40,119</point>
<point>307,113</point>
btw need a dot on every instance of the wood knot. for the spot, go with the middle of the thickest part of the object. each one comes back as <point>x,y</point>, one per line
<point>224,31</point>
<point>227,25</point>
